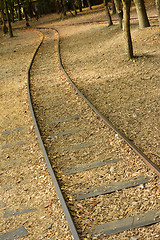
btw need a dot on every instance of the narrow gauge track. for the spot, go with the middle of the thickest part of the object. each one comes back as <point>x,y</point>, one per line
<point>106,186</point>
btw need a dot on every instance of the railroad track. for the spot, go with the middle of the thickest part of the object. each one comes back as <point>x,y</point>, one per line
<point>104,186</point>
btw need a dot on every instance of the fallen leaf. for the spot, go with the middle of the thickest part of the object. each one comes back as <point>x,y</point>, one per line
<point>49,204</point>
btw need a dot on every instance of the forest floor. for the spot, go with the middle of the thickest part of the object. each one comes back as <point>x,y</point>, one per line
<point>125,91</point>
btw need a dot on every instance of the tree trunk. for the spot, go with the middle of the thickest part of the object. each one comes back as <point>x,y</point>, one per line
<point>142,14</point>
<point>5,28</point>
<point>89,4</point>
<point>30,10</point>
<point>73,6</point>
<point>8,19</point>
<point>26,16</point>
<point>12,11</point>
<point>119,11</point>
<point>57,7</point>
<point>113,7</point>
<point>19,11</point>
<point>16,13</point>
<point>158,10</point>
<point>126,28</point>
<point>79,2</point>
<point>36,12</point>
<point>108,13</point>
<point>63,8</point>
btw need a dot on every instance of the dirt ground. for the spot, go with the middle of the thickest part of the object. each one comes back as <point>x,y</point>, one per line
<point>27,196</point>
<point>125,91</point>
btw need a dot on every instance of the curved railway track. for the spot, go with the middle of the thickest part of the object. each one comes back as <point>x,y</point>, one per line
<point>104,186</point>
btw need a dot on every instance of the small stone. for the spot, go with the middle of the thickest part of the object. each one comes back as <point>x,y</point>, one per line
<point>2,204</point>
<point>50,226</point>
<point>134,238</point>
<point>100,204</point>
<point>111,169</point>
<point>32,127</point>
<point>134,203</point>
<point>141,186</point>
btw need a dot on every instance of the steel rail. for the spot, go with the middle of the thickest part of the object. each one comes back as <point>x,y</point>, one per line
<point>54,179</point>
<point>149,163</point>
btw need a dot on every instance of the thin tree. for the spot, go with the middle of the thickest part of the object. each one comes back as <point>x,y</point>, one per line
<point>126,28</point>
<point>30,9</point>
<point>119,11</point>
<point>19,11</point>
<point>57,6</point>
<point>113,8</point>
<point>5,28</point>
<point>109,19</point>
<point>11,7</point>
<point>79,2</point>
<point>8,19</point>
<point>26,16</point>
<point>63,10</point>
<point>89,4</point>
<point>73,6</point>
<point>142,14</point>
<point>158,10</point>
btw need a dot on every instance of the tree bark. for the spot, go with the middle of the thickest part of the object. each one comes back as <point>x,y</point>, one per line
<point>63,8</point>
<point>126,28</point>
<point>73,6</point>
<point>19,11</point>
<point>142,14</point>
<point>79,2</point>
<point>12,11</point>
<point>57,7</point>
<point>8,19</point>
<point>89,4</point>
<point>108,13</point>
<point>5,28</point>
<point>30,9</point>
<point>119,11</point>
<point>26,16</point>
<point>158,10</point>
<point>113,7</point>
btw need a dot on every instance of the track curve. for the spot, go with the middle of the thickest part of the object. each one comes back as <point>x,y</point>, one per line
<point>59,193</point>
<point>68,215</point>
<point>150,164</point>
